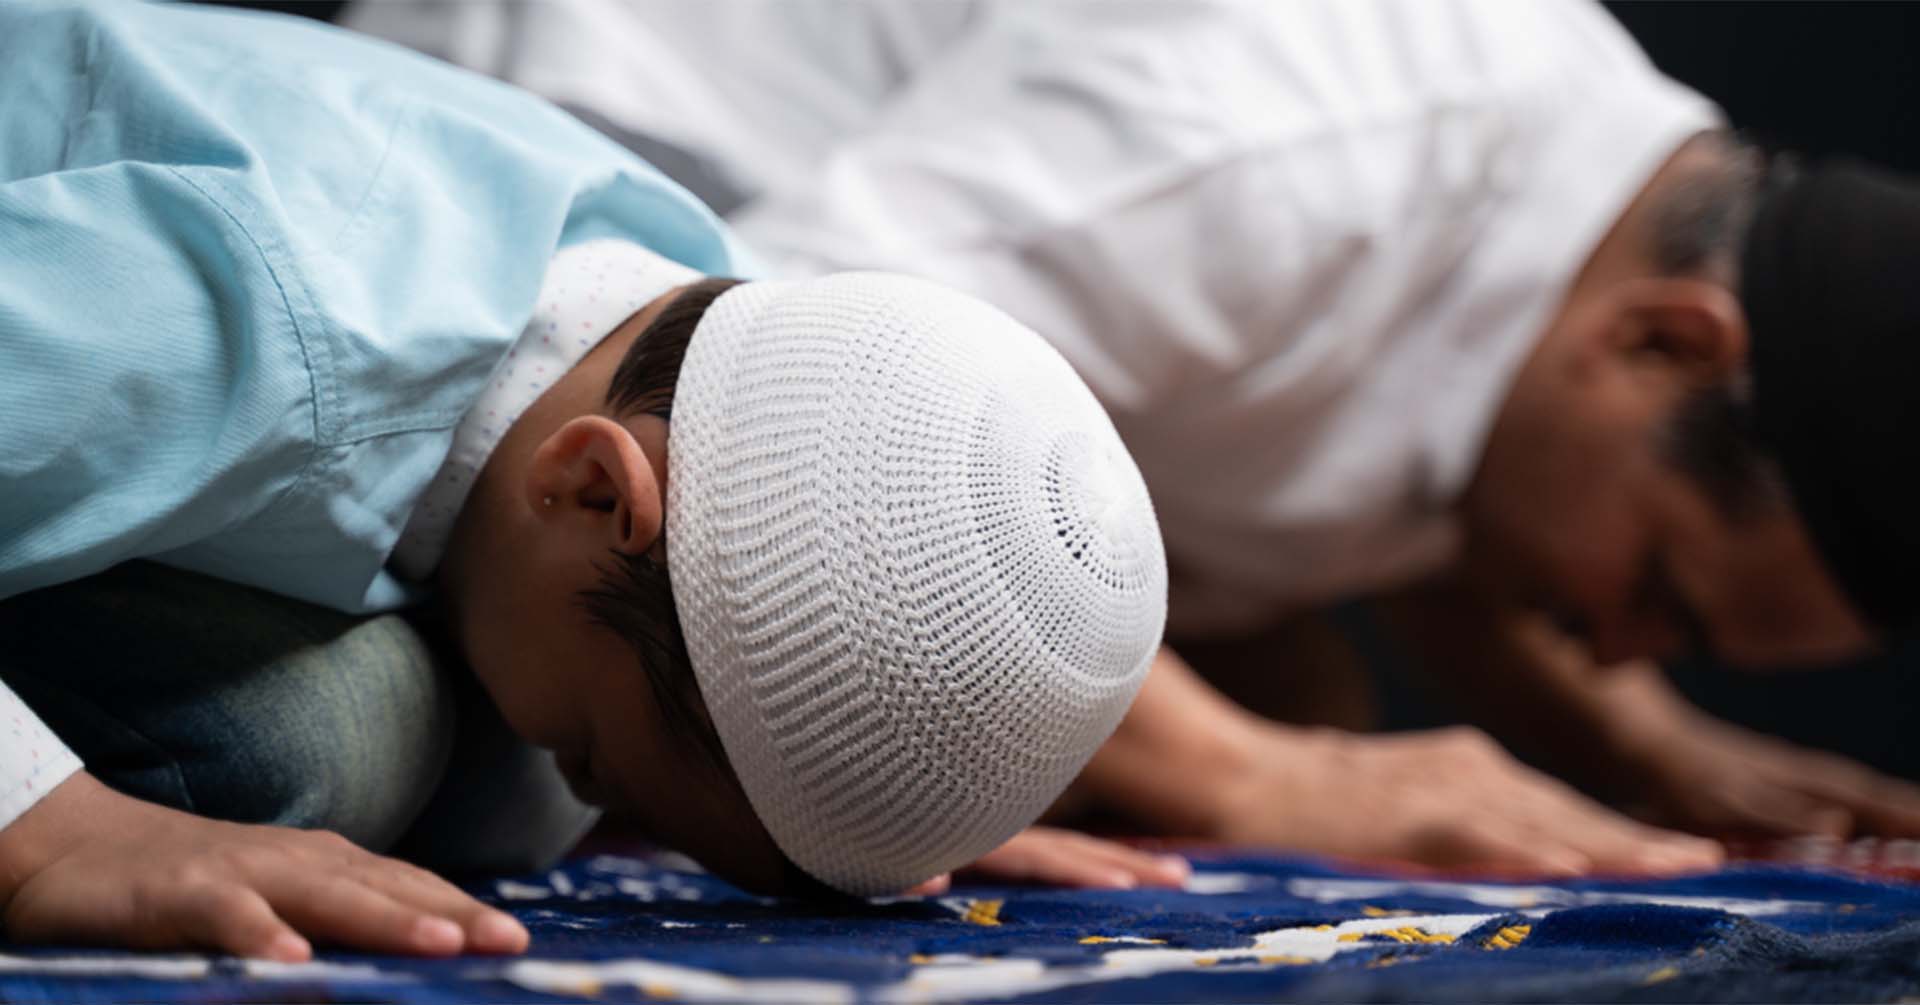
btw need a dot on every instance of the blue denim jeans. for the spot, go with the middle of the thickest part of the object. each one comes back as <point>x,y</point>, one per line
<point>240,705</point>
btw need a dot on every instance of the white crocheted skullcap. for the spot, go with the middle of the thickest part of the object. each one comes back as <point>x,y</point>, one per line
<point>917,572</point>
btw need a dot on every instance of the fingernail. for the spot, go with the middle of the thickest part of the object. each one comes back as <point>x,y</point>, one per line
<point>437,935</point>
<point>1692,855</point>
<point>500,933</point>
<point>1176,867</point>
<point>1707,852</point>
<point>1569,865</point>
<point>1119,881</point>
<point>289,948</point>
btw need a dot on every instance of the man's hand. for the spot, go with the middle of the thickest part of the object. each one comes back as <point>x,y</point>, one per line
<point>87,864</point>
<point>1687,769</point>
<point>1623,732</point>
<point>1069,858</point>
<point>1188,762</point>
<point>1450,798</point>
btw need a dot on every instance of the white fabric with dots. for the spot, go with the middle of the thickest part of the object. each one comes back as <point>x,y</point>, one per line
<point>33,761</point>
<point>590,288</point>
<point>918,574</point>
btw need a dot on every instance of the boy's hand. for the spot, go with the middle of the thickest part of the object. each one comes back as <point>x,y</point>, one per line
<point>1070,858</point>
<point>88,864</point>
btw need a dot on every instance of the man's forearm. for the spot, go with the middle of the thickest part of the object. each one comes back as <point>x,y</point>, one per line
<point>1175,755</point>
<point>1187,762</point>
<point>1538,691</point>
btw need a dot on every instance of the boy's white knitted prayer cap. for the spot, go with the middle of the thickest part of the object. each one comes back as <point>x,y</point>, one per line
<point>917,572</point>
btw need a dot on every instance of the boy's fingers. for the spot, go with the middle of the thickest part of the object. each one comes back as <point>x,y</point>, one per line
<point>1057,864</point>
<point>1152,869</point>
<point>342,908</point>
<point>232,918</point>
<point>491,931</point>
<point>1094,875</point>
<point>488,930</point>
<point>933,887</point>
<point>1072,860</point>
<point>1052,855</point>
<point>1143,868</point>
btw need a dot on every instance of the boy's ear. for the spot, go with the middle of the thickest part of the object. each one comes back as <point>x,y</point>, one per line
<point>591,477</point>
<point>1695,326</point>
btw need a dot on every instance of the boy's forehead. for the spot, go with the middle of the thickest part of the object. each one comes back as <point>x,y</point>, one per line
<point>709,817</point>
<point>674,784</point>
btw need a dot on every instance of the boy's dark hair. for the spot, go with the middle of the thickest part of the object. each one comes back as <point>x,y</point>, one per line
<point>1699,227</point>
<point>634,598</point>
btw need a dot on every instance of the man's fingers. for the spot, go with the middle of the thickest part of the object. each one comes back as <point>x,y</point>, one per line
<point>1578,837</point>
<point>343,909</point>
<point>1774,811</point>
<point>1892,810</point>
<point>1619,845</point>
<point>1616,843</point>
<point>1878,804</point>
<point>1502,845</point>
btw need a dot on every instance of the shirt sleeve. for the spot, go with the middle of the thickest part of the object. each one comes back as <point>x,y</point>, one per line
<point>111,327</point>
<point>131,301</point>
<point>33,761</point>
<point>157,385</point>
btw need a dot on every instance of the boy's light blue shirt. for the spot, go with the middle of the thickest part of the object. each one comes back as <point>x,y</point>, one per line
<point>252,272</point>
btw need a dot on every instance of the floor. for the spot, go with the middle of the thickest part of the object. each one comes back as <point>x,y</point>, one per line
<point>651,927</point>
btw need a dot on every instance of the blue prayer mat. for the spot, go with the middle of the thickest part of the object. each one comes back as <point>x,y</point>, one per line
<point>1247,928</point>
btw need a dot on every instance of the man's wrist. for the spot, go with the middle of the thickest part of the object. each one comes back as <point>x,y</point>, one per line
<point>1638,711</point>
<point>1181,758</point>
<point>1193,785</point>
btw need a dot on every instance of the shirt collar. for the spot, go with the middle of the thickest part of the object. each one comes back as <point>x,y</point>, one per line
<point>590,288</point>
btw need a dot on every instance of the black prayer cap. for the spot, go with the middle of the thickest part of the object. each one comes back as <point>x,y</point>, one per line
<point>1828,282</point>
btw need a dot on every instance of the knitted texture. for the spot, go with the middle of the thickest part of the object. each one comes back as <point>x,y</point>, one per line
<point>918,574</point>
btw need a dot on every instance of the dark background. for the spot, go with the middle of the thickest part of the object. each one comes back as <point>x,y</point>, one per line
<point>1822,77</point>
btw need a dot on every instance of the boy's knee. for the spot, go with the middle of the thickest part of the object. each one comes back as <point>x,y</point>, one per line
<point>233,703</point>
<point>350,735</point>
